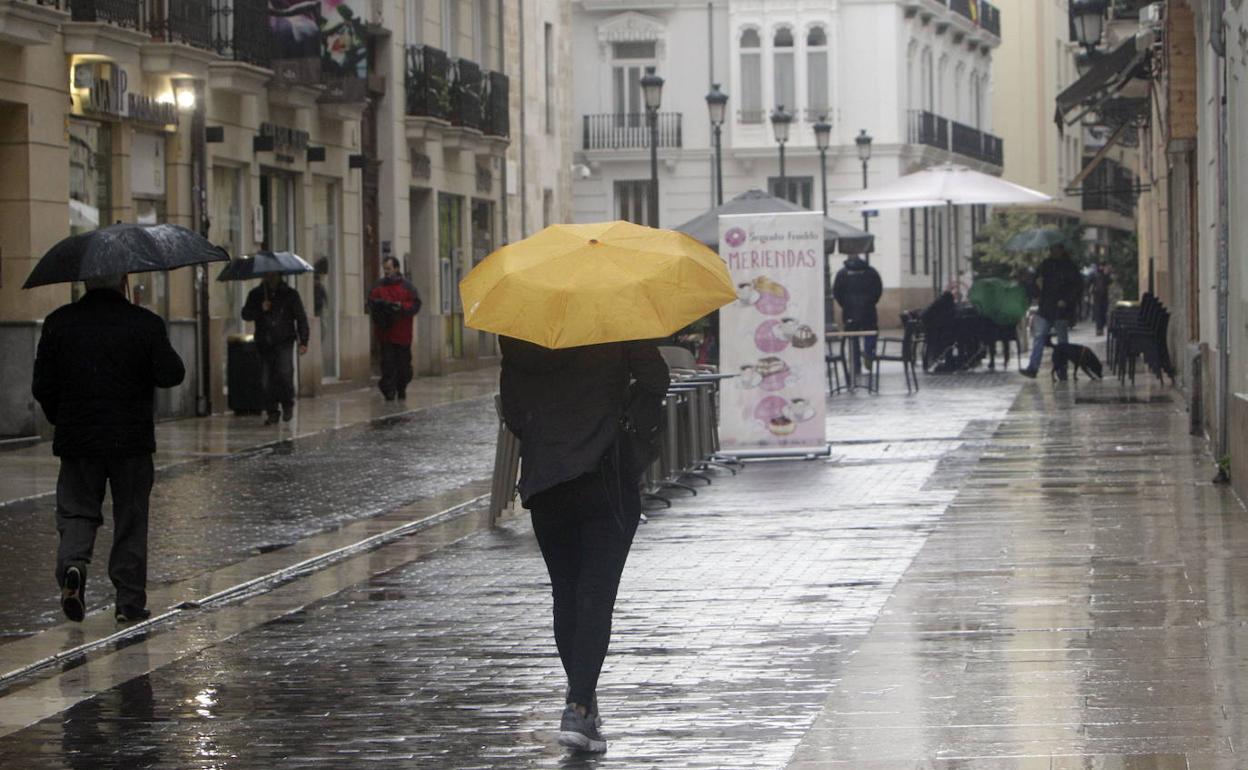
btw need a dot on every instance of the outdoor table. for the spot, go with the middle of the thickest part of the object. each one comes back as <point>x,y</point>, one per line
<point>839,334</point>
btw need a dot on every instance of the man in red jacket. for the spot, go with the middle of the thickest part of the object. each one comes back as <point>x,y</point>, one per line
<point>394,302</point>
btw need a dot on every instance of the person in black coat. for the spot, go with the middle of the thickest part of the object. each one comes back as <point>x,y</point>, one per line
<point>857,288</point>
<point>98,364</point>
<point>576,478</point>
<point>280,321</point>
<point>1060,287</point>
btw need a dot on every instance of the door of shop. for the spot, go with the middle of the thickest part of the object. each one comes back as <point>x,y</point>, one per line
<point>451,269</point>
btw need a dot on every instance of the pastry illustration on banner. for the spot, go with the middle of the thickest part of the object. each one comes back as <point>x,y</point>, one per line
<point>781,417</point>
<point>775,372</point>
<point>767,296</point>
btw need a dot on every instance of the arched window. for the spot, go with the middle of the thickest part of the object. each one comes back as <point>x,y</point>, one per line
<point>785,77</point>
<point>942,87</point>
<point>816,73</point>
<point>960,106</point>
<point>928,82</point>
<point>751,77</point>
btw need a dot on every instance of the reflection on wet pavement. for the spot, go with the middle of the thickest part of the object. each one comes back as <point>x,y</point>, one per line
<point>990,575</point>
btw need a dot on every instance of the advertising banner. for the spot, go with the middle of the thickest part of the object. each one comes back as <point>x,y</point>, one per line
<point>772,336</point>
<point>321,42</point>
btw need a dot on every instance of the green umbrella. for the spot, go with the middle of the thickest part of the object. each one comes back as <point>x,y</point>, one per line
<point>1002,302</point>
<point>1036,239</point>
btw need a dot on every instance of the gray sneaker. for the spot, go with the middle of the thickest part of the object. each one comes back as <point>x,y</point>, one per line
<point>567,693</point>
<point>579,732</point>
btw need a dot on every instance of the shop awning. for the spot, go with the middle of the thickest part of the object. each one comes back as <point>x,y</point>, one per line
<point>1102,82</point>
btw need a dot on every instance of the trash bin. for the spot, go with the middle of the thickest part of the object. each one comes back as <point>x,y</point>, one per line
<point>246,396</point>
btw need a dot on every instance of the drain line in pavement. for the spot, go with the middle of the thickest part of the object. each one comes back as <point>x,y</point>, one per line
<point>247,588</point>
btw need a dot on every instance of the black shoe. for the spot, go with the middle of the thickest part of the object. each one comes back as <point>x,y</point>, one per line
<point>288,412</point>
<point>387,396</point>
<point>402,395</point>
<point>271,418</point>
<point>128,613</point>
<point>579,732</point>
<point>1028,372</point>
<point>73,594</point>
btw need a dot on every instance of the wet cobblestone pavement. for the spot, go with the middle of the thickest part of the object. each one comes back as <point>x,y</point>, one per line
<point>992,574</point>
<point>209,513</point>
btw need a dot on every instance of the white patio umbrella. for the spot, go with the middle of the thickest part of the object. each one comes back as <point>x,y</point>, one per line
<point>946,185</point>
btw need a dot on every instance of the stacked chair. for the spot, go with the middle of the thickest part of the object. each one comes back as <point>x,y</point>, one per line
<point>1139,331</point>
<point>903,349</point>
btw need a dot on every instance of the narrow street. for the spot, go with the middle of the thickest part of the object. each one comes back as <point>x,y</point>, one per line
<point>993,573</point>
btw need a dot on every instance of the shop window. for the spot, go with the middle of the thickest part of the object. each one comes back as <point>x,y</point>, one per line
<point>90,175</point>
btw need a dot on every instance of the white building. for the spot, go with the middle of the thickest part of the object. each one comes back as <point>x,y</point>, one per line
<point>916,75</point>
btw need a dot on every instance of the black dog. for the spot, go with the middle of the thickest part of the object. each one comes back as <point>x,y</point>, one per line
<point>1076,357</point>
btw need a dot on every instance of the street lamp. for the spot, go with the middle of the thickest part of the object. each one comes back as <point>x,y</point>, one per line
<point>863,140</point>
<point>716,102</point>
<point>780,121</point>
<point>823,137</point>
<point>1087,17</point>
<point>652,91</point>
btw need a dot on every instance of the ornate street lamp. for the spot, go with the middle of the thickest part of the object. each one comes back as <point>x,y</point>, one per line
<point>1087,17</point>
<point>716,103</point>
<point>780,121</point>
<point>652,92</point>
<point>823,137</point>
<point>863,140</point>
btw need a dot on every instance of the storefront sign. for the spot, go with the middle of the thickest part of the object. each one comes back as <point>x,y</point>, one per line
<point>107,86</point>
<point>772,336</point>
<point>288,143</point>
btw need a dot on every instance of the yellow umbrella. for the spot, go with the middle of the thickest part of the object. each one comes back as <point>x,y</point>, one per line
<point>572,285</point>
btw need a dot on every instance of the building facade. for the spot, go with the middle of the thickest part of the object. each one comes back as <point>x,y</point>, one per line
<point>206,113</point>
<point>916,75</point>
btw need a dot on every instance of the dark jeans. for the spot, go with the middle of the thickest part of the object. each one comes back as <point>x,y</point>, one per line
<point>79,513</point>
<point>277,377</point>
<point>585,544</point>
<point>396,368</point>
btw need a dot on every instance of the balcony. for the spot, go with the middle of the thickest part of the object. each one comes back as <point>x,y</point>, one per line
<point>240,31</point>
<point>964,8</point>
<point>497,106</point>
<point>30,22</point>
<point>188,22</point>
<point>120,13</point>
<point>467,95</point>
<point>628,131</point>
<point>976,144</point>
<point>1110,187</point>
<point>990,18</point>
<point>428,83</point>
<point>441,93</point>
<point>930,129</point>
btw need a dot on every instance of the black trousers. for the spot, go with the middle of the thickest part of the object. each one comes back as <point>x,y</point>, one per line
<point>396,368</point>
<point>585,544</point>
<point>79,513</point>
<point>277,377</point>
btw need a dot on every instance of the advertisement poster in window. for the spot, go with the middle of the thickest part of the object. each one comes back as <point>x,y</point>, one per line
<point>321,42</point>
<point>772,336</point>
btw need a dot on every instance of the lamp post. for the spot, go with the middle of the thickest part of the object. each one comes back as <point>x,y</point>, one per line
<point>1087,18</point>
<point>652,91</point>
<point>863,140</point>
<point>823,137</point>
<point>716,101</point>
<point>780,121</point>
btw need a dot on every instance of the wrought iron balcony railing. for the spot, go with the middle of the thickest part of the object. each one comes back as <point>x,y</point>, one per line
<point>964,8</point>
<point>428,82</point>
<point>240,31</point>
<point>497,105</point>
<point>929,128</point>
<point>1110,187</point>
<point>122,13</point>
<point>628,131</point>
<point>989,17</point>
<point>467,94</point>
<point>180,21</point>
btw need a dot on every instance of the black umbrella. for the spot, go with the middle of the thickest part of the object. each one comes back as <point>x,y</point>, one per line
<point>836,235</point>
<point>256,265</point>
<point>122,248</point>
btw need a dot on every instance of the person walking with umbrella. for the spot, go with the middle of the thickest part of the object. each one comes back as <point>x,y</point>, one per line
<point>280,322</point>
<point>577,308</point>
<point>1060,287</point>
<point>394,302</point>
<point>97,367</point>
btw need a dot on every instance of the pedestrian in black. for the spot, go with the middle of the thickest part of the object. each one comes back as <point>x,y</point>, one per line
<point>857,288</point>
<point>579,481</point>
<point>1100,296</point>
<point>97,368</point>
<point>280,322</point>
<point>1060,287</point>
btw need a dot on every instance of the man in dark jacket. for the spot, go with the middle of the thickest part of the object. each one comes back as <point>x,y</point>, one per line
<point>393,303</point>
<point>99,362</point>
<point>857,288</point>
<point>566,406</point>
<point>280,320</point>
<point>1060,287</point>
